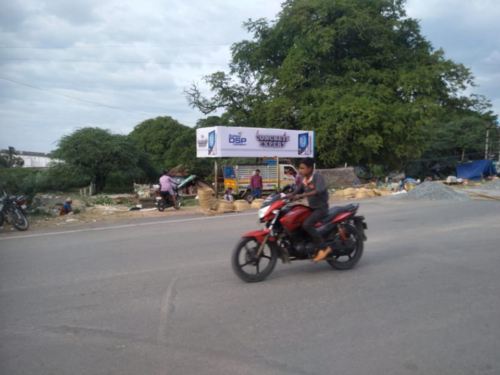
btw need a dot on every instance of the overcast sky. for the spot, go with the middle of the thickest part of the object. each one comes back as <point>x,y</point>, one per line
<point>156,48</point>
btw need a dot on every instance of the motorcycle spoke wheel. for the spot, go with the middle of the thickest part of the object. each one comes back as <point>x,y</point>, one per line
<point>348,261</point>
<point>253,264</point>
<point>247,266</point>
<point>19,221</point>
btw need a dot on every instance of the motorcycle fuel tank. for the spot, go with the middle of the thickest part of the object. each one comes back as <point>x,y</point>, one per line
<point>295,217</point>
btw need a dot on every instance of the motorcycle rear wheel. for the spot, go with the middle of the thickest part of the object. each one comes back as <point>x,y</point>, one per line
<point>244,262</point>
<point>161,205</point>
<point>339,262</point>
<point>19,220</point>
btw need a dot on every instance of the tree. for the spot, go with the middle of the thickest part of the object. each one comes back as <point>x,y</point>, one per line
<point>358,72</point>
<point>457,135</point>
<point>183,151</point>
<point>4,163</point>
<point>11,160</point>
<point>96,153</point>
<point>155,136</point>
<point>211,121</point>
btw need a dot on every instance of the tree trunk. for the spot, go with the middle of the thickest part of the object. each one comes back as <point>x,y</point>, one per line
<point>463,154</point>
<point>100,183</point>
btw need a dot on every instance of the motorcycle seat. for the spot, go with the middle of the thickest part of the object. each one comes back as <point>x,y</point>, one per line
<point>334,211</point>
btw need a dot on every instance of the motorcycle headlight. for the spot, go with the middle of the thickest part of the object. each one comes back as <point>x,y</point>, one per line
<point>263,211</point>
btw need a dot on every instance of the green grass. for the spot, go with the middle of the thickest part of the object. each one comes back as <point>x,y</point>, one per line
<point>103,199</point>
<point>190,202</point>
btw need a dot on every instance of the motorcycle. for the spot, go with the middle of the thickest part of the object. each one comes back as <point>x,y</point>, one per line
<point>163,203</point>
<point>256,254</point>
<point>13,211</point>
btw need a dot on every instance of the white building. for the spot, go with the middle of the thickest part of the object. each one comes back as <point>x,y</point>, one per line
<point>32,159</point>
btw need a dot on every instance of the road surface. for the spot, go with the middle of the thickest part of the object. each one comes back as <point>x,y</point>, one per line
<point>159,297</point>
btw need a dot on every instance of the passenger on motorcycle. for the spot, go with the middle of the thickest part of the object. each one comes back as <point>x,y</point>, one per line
<point>313,187</point>
<point>166,187</point>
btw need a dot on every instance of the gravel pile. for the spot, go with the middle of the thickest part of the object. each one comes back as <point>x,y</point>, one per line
<point>433,191</point>
<point>492,185</point>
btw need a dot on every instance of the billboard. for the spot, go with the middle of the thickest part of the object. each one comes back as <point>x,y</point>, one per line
<point>222,141</point>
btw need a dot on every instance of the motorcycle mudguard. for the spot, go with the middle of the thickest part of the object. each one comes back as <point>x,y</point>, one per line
<point>259,235</point>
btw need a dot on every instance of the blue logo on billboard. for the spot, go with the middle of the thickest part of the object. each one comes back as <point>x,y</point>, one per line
<point>304,144</point>
<point>211,143</point>
<point>237,139</point>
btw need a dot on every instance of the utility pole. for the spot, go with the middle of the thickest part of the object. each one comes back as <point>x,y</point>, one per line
<point>498,131</point>
<point>487,141</point>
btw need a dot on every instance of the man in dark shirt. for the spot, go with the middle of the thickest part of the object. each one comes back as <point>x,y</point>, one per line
<point>313,187</point>
<point>256,184</point>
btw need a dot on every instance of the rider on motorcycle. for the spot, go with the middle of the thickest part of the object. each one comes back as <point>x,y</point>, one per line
<point>313,187</point>
<point>166,184</point>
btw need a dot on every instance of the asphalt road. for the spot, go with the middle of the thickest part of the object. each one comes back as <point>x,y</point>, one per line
<point>159,297</point>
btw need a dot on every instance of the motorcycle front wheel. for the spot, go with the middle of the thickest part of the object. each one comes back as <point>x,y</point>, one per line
<point>19,221</point>
<point>245,264</point>
<point>178,203</point>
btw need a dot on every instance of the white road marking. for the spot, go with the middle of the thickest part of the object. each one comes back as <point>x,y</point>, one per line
<point>165,312</point>
<point>125,226</point>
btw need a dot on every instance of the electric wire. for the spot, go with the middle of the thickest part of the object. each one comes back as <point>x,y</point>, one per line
<point>75,98</point>
<point>113,62</point>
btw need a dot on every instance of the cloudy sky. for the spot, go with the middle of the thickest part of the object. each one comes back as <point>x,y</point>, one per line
<point>135,58</point>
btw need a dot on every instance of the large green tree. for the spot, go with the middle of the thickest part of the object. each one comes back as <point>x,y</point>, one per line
<point>358,72</point>
<point>96,153</point>
<point>182,151</point>
<point>457,134</point>
<point>155,137</point>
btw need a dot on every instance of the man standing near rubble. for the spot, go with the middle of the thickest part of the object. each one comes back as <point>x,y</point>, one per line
<point>256,184</point>
<point>166,183</point>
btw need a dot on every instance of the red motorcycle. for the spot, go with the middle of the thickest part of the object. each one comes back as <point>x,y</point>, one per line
<point>257,253</point>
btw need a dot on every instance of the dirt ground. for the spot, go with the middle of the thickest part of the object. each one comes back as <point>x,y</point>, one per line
<point>113,213</point>
<point>100,213</point>
<point>104,213</point>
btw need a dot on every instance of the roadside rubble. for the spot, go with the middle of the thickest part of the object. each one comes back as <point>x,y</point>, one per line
<point>362,193</point>
<point>492,185</point>
<point>432,191</point>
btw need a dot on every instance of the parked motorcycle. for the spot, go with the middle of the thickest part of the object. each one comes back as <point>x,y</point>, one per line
<point>13,211</point>
<point>163,203</point>
<point>256,254</point>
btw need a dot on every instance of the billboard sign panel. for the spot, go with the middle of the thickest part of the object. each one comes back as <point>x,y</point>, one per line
<point>221,141</point>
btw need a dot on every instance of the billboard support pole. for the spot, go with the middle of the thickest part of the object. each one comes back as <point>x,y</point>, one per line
<point>216,179</point>
<point>278,172</point>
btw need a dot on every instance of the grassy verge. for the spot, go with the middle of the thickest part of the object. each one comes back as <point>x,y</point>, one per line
<point>190,202</point>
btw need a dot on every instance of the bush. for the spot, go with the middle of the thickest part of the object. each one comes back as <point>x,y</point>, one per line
<point>20,181</point>
<point>103,199</point>
<point>29,182</point>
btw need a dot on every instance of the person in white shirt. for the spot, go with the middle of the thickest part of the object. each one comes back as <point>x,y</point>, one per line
<point>228,195</point>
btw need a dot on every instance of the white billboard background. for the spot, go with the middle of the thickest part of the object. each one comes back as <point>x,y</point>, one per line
<point>222,141</point>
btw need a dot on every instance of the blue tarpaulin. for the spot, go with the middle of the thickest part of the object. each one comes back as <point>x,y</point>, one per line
<point>476,170</point>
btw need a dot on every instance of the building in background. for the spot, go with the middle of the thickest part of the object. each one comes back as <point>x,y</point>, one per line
<point>31,159</point>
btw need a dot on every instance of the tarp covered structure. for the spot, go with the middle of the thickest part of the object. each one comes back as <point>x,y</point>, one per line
<point>222,142</point>
<point>476,170</point>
